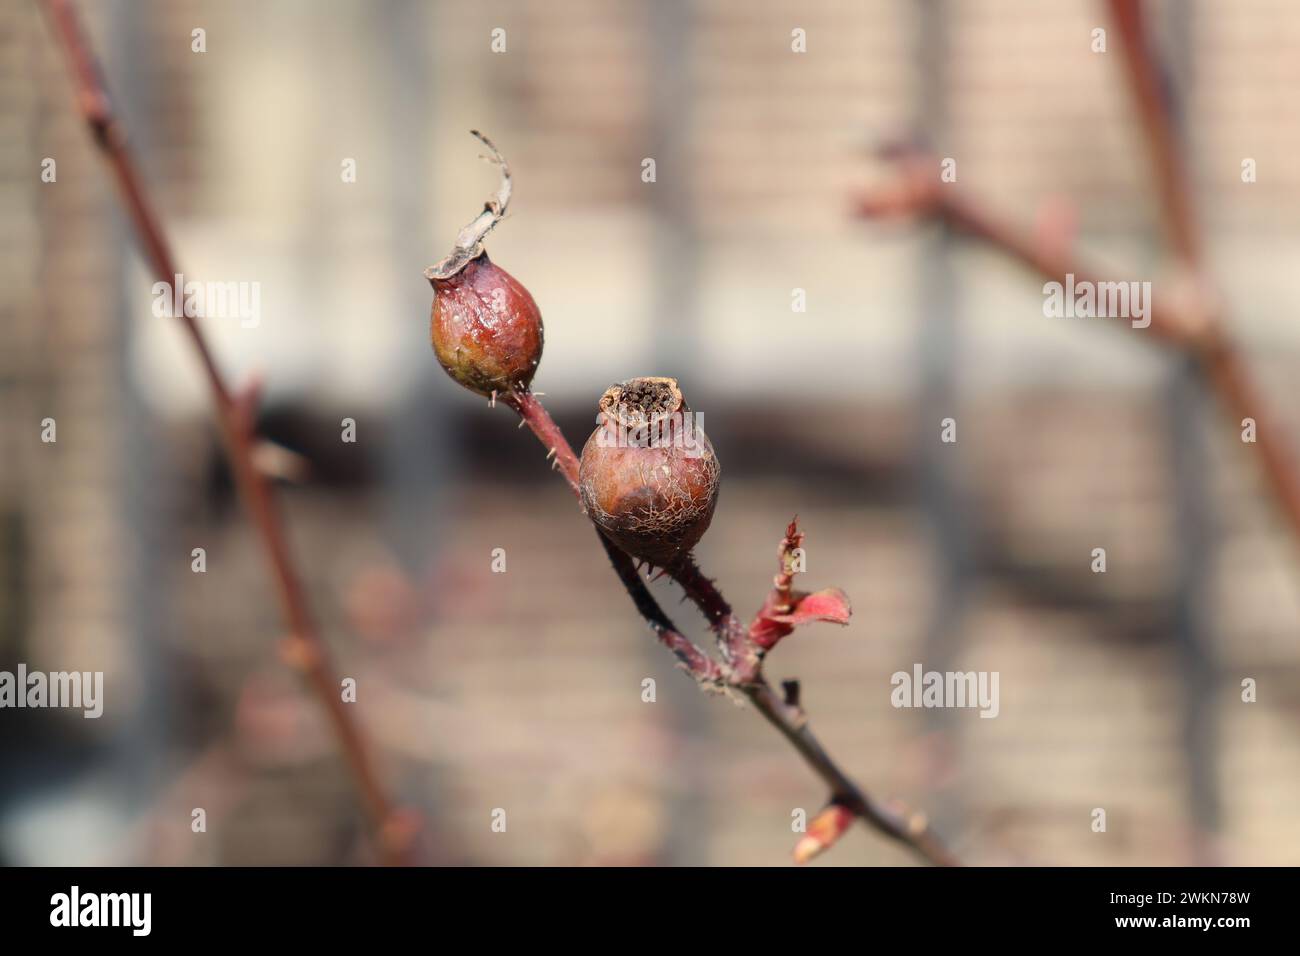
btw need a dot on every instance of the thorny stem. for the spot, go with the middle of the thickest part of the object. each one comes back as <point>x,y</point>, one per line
<point>732,637</point>
<point>698,664</point>
<point>743,670</point>
<point>303,648</point>
<point>563,459</point>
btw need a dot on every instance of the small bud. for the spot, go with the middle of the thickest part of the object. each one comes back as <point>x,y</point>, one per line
<point>486,329</point>
<point>649,477</point>
<point>823,832</point>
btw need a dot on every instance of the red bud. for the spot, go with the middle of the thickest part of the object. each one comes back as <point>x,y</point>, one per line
<point>823,832</point>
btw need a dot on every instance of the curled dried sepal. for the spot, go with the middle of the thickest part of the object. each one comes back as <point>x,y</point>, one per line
<point>469,242</point>
<point>823,832</point>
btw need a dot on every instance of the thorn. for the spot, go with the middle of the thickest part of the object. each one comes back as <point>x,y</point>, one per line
<point>791,689</point>
<point>246,400</point>
<point>492,399</point>
<point>662,572</point>
<point>550,454</point>
<point>538,394</point>
<point>275,461</point>
<point>299,653</point>
<point>522,423</point>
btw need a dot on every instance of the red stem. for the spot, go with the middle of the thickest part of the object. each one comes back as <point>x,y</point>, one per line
<point>732,635</point>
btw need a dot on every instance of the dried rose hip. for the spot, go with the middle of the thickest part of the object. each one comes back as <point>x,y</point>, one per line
<point>648,476</point>
<point>486,329</point>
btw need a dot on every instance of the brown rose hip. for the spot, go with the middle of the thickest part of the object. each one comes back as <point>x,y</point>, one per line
<point>648,476</point>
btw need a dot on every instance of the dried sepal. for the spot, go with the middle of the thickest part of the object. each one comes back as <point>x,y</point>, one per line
<point>469,241</point>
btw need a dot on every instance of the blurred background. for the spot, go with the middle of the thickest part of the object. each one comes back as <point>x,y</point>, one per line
<point>522,690</point>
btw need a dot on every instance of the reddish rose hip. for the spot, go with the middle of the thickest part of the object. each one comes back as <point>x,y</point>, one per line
<point>486,329</point>
<point>648,476</point>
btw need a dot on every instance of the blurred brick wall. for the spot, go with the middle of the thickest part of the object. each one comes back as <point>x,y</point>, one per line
<point>523,690</point>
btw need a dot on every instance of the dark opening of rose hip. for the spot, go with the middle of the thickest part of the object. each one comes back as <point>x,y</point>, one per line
<point>640,401</point>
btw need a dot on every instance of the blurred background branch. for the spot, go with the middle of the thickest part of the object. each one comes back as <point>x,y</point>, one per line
<point>1186,313</point>
<point>302,647</point>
